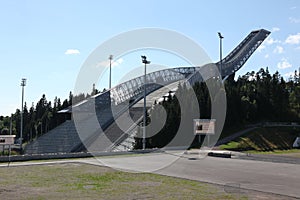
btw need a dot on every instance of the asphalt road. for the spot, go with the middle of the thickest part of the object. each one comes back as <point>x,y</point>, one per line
<point>277,178</point>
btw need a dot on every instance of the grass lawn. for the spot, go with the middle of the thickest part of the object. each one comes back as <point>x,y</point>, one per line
<point>277,140</point>
<point>82,181</point>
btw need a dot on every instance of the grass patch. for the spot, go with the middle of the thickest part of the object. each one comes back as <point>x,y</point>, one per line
<point>6,153</point>
<point>271,139</point>
<point>81,181</point>
<point>230,145</point>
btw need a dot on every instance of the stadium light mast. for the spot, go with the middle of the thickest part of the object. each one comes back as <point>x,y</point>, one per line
<point>221,37</point>
<point>10,125</point>
<point>145,61</point>
<point>110,59</point>
<point>23,84</point>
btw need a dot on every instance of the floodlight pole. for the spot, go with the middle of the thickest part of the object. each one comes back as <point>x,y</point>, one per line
<point>221,37</point>
<point>10,125</point>
<point>145,61</point>
<point>23,84</point>
<point>110,59</point>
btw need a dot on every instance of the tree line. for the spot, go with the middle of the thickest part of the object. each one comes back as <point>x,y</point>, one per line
<point>254,97</point>
<point>40,118</point>
<point>260,96</point>
<point>251,98</point>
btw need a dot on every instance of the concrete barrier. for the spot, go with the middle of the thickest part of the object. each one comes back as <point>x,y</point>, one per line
<point>221,155</point>
<point>28,157</point>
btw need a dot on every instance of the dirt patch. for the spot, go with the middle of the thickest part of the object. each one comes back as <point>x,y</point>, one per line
<point>4,190</point>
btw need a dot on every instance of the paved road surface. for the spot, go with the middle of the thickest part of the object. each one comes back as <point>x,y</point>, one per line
<point>278,178</point>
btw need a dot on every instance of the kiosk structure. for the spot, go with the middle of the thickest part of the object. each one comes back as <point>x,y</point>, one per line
<point>204,127</point>
<point>7,140</point>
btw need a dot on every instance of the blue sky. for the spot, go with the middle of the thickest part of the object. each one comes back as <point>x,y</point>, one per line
<point>48,41</point>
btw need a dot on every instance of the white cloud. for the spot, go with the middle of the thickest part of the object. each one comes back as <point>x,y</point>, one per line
<point>261,47</point>
<point>297,48</point>
<point>275,29</point>
<point>289,74</point>
<point>117,62</point>
<point>293,39</point>
<point>278,49</point>
<point>283,64</point>
<point>270,41</point>
<point>294,20</point>
<point>267,56</point>
<point>72,51</point>
<point>293,7</point>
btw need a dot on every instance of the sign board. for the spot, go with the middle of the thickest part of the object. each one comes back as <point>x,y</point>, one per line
<point>204,126</point>
<point>7,139</point>
<point>296,143</point>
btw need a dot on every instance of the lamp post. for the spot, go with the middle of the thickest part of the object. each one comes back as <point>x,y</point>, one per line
<point>145,61</point>
<point>221,37</point>
<point>23,84</point>
<point>110,59</point>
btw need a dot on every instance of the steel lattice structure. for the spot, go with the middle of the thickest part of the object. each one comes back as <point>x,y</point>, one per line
<point>238,57</point>
<point>133,89</point>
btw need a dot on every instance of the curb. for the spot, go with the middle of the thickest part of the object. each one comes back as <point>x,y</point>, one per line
<point>28,157</point>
